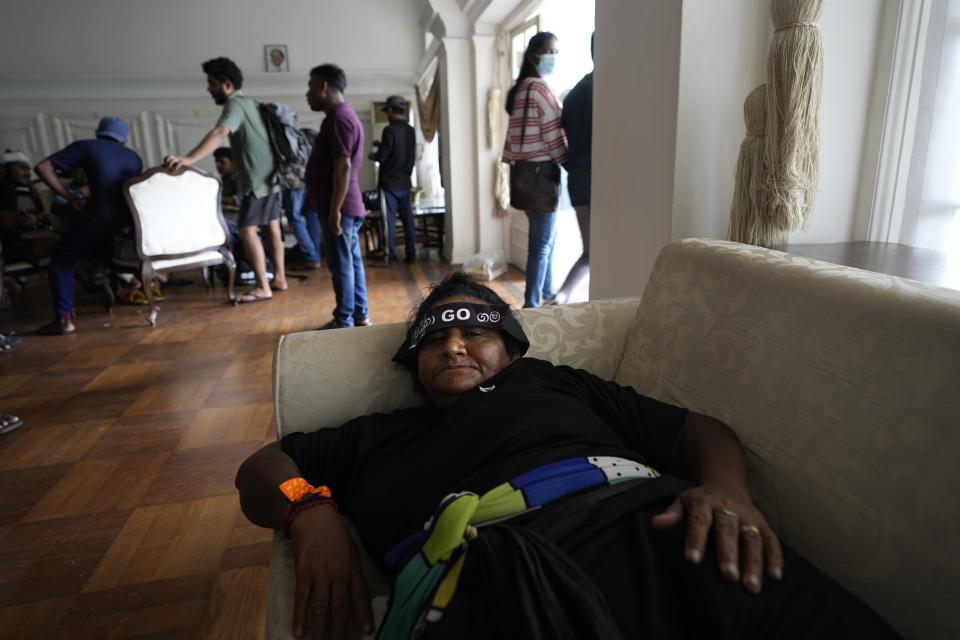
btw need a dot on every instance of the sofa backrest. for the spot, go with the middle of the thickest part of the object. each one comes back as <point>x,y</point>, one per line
<point>845,387</point>
<point>324,378</point>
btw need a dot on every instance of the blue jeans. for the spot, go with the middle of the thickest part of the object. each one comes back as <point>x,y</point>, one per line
<point>81,239</point>
<point>346,270</point>
<point>299,212</point>
<point>399,202</point>
<point>540,242</point>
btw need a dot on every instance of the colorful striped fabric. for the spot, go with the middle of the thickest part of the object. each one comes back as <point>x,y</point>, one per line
<point>433,558</point>
<point>544,138</point>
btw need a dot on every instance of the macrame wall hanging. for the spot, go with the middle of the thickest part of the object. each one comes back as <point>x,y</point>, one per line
<point>747,211</point>
<point>792,141</point>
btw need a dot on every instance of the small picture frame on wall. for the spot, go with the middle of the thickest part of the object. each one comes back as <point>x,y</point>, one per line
<point>275,57</point>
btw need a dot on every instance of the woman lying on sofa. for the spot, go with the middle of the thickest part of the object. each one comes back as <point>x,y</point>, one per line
<point>526,500</point>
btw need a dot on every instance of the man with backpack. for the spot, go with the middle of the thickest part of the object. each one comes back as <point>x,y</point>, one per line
<point>260,205</point>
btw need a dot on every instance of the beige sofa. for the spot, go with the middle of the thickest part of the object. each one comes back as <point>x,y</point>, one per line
<point>844,386</point>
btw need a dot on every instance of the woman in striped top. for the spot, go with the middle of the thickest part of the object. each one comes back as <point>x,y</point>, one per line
<point>535,116</point>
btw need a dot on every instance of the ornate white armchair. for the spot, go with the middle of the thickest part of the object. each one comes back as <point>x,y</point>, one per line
<point>179,225</point>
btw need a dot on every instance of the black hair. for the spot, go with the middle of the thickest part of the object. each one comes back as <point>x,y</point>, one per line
<point>332,75</point>
<point>528,69</point>
<point>223,152</point>
<point>224,69</point>
<point>458,283</point>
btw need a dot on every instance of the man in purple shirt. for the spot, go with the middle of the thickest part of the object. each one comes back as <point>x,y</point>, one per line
<point>334,192</point>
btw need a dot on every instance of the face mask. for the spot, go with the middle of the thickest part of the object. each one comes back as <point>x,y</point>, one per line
<point>547,63</point>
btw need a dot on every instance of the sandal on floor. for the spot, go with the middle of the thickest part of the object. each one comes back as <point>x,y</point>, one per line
<point>9,423</point>
<point>132,296</point>
<point>250,298</point>
<point>157,294</point>
<point>10,338</point>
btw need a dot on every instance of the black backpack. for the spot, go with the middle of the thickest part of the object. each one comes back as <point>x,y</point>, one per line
<point>290,146</point>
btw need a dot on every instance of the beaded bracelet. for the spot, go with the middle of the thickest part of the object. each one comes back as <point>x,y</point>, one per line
<point>312,500</point>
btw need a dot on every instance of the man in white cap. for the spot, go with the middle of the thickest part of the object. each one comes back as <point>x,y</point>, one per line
<point>108,164</point>
<point>24,230</point>
<point>16,193</point>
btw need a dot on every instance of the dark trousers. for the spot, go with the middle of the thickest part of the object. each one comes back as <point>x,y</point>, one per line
<point>82,239</point>
<point>567,571</point>
<point>398,201</point>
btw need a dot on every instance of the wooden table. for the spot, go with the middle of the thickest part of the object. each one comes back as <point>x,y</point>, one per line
<point>429,224</point>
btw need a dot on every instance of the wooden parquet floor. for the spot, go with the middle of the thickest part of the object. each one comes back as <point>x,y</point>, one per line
<point>118,514</point>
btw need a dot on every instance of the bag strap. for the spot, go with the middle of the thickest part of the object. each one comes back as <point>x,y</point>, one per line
<point>526,107</point>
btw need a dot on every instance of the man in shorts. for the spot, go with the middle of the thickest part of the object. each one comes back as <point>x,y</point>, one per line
<point>261,201</point>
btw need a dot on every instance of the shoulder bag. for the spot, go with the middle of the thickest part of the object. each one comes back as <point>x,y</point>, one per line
<point>534,185</point>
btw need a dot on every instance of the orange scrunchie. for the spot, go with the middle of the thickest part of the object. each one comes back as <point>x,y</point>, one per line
<point>296,488</point>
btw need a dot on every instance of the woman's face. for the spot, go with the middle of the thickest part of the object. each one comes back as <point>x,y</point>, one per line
<point>547,46</point>
<point>455,360</point>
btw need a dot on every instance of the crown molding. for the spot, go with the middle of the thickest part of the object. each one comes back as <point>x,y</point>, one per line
<point>92,86</point>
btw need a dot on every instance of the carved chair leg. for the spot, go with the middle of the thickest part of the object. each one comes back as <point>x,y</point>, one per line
<point>146,278</point>
<point>231,263</point>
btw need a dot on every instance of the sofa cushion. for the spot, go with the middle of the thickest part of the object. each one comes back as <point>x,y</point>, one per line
<point>324,378</point>
<point>845,387</point>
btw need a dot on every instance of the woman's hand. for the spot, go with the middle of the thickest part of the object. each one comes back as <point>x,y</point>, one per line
<point>746,545</point>
<point>329,580</point>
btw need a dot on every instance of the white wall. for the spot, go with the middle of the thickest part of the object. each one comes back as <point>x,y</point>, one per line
<point>170,36</point>
<point>634,141</point>
<point>723,59</point>
<point>69,63</point>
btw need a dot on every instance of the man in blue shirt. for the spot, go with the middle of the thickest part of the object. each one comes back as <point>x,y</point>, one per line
<point>89,232</point>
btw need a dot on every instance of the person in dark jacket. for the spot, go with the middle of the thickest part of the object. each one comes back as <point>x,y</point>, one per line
<point>577,122</point>
<point>396,153</point>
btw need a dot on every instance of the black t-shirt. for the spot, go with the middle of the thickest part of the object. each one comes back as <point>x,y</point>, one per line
<point>389,472</point>
<point>396,155</point>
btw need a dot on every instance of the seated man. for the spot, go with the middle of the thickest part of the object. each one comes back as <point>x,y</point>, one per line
<point>25,229</point>
<point>527,500</point>
<point>230,192</point>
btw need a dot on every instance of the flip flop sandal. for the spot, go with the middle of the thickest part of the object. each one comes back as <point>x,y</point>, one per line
<point>249,298</point>
<point>134,297</point>
<point>157,294</point>
<point>9,423</point>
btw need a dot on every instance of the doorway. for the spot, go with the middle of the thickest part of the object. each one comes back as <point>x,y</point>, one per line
<point>573,24</point>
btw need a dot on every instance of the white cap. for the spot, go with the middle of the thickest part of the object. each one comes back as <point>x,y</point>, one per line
<point>8,157</point>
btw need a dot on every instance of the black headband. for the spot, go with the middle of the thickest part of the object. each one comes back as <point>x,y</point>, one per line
<point>462,314</point>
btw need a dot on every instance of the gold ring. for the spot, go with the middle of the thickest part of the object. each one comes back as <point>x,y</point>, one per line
<point>750,528</point>
<point>727,512</point>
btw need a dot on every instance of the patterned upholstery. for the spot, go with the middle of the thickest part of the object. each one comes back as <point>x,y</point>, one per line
<point>841,383</point>
<point>311,391</point>
<point>845,387</point>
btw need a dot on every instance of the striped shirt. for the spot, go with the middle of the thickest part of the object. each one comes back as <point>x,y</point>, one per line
<point>544,138</point>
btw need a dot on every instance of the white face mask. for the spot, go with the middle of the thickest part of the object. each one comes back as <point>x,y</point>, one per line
<point>547,63</point>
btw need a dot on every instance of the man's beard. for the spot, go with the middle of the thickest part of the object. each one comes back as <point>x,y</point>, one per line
<point>220,97</point>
